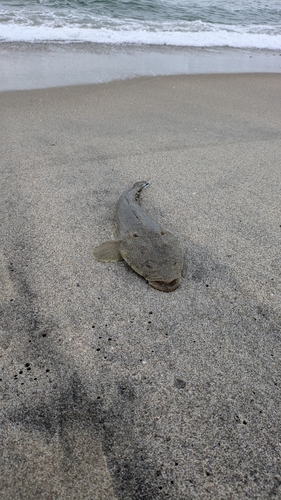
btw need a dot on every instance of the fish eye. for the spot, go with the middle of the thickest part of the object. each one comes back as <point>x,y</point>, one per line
<point>163,232</point>
<point>135,235</point>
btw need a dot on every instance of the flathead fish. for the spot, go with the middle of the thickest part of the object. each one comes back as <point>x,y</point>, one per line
<point>148,249</point>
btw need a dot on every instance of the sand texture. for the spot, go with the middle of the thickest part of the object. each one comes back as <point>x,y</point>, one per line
<point>112,390</point>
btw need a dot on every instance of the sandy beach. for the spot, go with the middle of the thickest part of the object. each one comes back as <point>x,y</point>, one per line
<point>42,65</point>
<point>112,389</point>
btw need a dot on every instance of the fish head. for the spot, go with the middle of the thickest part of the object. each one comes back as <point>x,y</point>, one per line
<point>166,286</point>
<point>157,256</point>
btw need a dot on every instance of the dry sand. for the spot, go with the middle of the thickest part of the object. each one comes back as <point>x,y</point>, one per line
<point>110,388</point>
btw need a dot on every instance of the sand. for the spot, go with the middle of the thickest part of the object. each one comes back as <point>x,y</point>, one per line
<point>41,65</point>
<point>110,388</point>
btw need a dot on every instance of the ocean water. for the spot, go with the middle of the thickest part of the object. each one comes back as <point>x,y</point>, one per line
<point>196,23</point>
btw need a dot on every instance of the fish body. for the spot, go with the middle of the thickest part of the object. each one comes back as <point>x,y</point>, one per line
<point>148,249</point>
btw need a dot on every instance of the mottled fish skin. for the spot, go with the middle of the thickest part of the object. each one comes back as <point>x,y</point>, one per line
<point>148,249</point>
<point>130,217</point>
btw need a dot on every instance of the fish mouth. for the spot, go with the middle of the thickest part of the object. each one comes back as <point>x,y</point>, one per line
<point>164,286</point>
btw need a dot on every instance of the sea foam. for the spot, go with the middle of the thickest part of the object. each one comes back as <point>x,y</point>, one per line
<point>196,34</point>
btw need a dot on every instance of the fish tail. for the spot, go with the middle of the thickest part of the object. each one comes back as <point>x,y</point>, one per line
<point>141,185</point>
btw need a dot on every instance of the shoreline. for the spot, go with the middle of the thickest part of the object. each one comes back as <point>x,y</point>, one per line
<point>28,65</point>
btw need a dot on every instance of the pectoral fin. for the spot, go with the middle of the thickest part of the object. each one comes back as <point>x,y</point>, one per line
<point>108,251</point>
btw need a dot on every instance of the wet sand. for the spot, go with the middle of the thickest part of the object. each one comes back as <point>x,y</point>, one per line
<point>41,65</point>
<point>110,388</point>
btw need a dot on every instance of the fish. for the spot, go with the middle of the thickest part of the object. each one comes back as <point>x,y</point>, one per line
<point>151,251</point>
